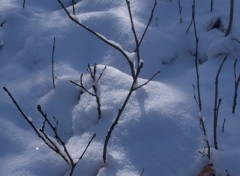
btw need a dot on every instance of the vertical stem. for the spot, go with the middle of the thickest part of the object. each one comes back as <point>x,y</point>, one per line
<point>211,5</point>
<point>217,102</point>
<point>24,3</point>
<point>196,57</point>
<point>133,30</point>
<point>180,11</point>
<point>236,84</point>
<point>73,6</point>
<point>199,101</point>
<point>53,51</point>
<point>230,18</point>
<point>223,125</point>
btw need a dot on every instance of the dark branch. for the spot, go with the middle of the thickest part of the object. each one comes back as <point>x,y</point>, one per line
<point>101,37</point>
<point>87,147</point>
<point>148,24</point>
<point>147,81</point>
<point>53,52</point>
<point>217,103</point>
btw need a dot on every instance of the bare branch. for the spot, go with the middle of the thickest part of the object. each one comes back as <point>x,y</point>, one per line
<point>223,125</point>
<point>87,147</point>
<point>147,81</point>
<point>28,119</point>
<point>197,96</point>
<point>211,5</point>
<point>231,15</point>
<point>135,75</point>
<point>102,73</point>
<point>234,39</point>
<point>53,52</point>
<point>82,87</point>
<point>236,85</point>
<point>194,95</point>
<point>102,38</point>
<point>142,172</point>
<point>54,129</point>
<point>180,11</point>
<point>148,24</point>
<point>73,6</point>
<point>135,71</point>
<point>93,74</point>
<point>217,103</point>
<point>41,134</point>
<point>132,24</point>
<point>24,2</point>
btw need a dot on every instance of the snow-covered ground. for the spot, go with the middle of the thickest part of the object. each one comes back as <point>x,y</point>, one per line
<point>159,130</point>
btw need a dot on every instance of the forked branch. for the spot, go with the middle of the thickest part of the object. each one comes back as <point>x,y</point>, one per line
<point>95,86</point>
<point>217,102</point>
<point>56,143</point>
<point>135,68</point>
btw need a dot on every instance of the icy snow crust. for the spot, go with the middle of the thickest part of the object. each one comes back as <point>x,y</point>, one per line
<point>159,129</point>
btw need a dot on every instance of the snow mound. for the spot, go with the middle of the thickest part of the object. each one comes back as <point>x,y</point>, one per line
<point>158,105</point>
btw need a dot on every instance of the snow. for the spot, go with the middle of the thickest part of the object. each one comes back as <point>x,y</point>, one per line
<point>158,132</point>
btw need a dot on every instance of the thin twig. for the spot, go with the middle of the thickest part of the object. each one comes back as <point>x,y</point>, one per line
<point>223,125</point>
<point>197,96</point>
<point>40,133</point>
<point>56,135</point>
<point>102,73</point>
<point>193,16</point>
<point>51,143</point>
<point>234,39</point>
<point>101,37</point>
<point>236,85</point>
<point>180,11</point>
<point>92,72</point>
<point>133,29</point>
<point>227,172</point>
<point>142,172</point>
<point>147,81</point>
<point>216,105</point>
<point>24,3</point>
<point>87,147</point>
<point>231,15</point>
<point>73,6</point>
<point>53,52</point>
<point>211,5</point>
<point>135,71</point>
<point>28,119</point>
<point>148,24</point>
